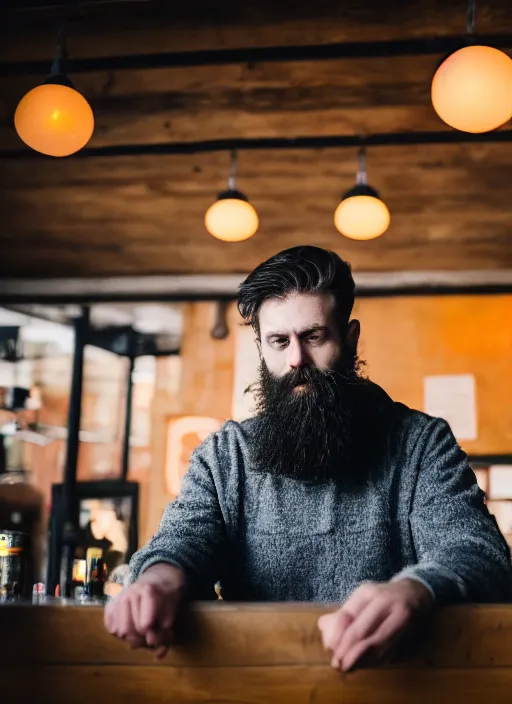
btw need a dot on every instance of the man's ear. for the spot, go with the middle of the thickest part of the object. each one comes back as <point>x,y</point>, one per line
<point>353,333</point>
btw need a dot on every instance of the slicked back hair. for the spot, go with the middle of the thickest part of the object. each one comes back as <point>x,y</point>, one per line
<point>304,269</point>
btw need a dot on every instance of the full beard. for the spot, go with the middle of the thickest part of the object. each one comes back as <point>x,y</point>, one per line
<point>305,427</point>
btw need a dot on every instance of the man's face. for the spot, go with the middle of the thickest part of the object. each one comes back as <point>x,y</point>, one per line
<point>303,396</point>
<point>299,331</point>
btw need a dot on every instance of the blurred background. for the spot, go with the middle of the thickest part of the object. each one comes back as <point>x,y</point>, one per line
<point>121,347</point>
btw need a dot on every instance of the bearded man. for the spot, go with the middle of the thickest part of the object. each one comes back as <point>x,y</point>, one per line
<point>331,493</point>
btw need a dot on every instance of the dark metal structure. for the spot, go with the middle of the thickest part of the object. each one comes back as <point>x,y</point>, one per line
<point>64,523</point>
<point>220,57</point>
<point>386,139</point>
<point>10,300</point>
<point>70,524</point>
<point>125,460</point>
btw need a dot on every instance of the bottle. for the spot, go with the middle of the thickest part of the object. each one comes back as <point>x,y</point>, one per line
<point>95,573</point>
<point>38,593</point>
<point>14,561</point>
<point>21,509</point>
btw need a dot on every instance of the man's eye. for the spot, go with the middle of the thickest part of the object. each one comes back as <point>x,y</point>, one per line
<point>314,338</point>
<point>280,342</point>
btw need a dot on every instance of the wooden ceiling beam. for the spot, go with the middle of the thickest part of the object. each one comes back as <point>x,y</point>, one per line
<point>274,54</point>
<point>199,25</point>
<point>389,139</point>
<point>225,287</point>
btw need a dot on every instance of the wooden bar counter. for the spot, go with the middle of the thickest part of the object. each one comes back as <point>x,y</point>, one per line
<point>247,653</point>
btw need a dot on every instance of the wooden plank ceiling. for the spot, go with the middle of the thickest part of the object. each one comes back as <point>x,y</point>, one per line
<point>130,215</point>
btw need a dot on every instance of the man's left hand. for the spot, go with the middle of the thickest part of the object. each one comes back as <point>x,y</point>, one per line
<point>372,622</point>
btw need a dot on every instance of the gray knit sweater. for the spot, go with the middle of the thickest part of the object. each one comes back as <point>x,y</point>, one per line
<point>418,513</point>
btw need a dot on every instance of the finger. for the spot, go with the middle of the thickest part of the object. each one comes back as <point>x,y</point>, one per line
<point>111,614</point>
<point>333,627</point>
<point>386,636</point>
<point>158,637</point>
<point>143,635</point>
<point>123,626</point>
<point>148,610</point>
<point>364,654</point>
<point>154,638</point>
<point>367,654</point>
<point>134,642</point>
<point>360,597</point>
<point>161,653</point>
<point>162,633</point>
<point>324,621</point>
<point>361,628</point>
<point>135,599</point>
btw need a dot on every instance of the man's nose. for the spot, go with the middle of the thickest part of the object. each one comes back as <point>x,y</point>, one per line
<point>296,355</point>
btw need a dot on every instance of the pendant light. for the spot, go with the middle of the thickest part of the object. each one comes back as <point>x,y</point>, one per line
<point>54,118</point>
<point>362,215</point>
<point>472,88</point>
<point>232,218</point>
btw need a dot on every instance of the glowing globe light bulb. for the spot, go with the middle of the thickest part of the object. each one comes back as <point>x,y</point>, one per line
<point>232,218</point>
<point>472,89</point>
<point>54,119</point>
<point>361,215</point>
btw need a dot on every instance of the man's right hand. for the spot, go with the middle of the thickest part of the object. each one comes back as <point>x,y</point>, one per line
<point>143,615</point>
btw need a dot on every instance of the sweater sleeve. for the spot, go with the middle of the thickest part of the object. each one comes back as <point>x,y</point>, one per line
<point>461,554</point>
<point>191,533</point>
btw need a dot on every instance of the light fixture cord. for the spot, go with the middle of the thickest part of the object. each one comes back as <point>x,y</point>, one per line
<point>232,171</point>
<point>470,18</point>
<point>361,178</point>
<point>61,54</point>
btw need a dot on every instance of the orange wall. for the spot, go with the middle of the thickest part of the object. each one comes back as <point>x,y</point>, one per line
<point>199,382</point>
<point>406,339</point>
